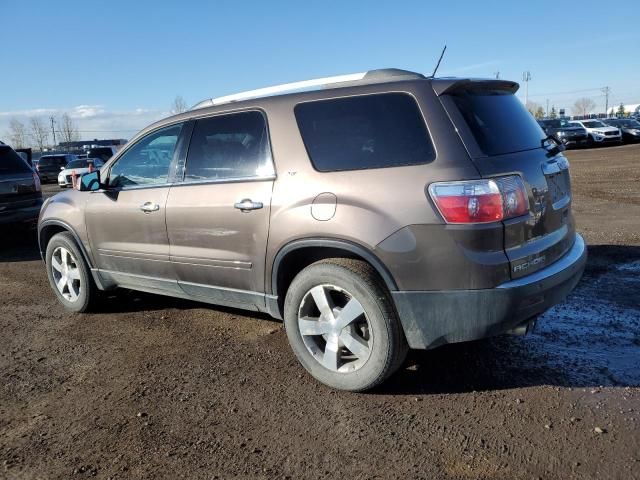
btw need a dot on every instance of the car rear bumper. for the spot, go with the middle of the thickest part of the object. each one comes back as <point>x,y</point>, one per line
<point>434,318</point>
<point>24,215</point>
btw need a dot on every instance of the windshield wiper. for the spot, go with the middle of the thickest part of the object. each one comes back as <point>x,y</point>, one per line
<point>556,148</point>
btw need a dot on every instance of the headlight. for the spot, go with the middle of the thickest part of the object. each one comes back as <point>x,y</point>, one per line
<point>561,133</point>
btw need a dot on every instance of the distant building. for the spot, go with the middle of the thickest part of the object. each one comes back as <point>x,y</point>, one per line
<point>86,144</point>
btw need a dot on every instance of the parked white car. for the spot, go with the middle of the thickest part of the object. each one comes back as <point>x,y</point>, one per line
<point>79,167</point>
<point>600,133</point>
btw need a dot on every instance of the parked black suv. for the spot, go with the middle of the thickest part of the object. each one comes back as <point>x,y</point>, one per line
<point>49,166</point>
<point>20,195</point>
<point>563,131</point>
<point>630,128</point>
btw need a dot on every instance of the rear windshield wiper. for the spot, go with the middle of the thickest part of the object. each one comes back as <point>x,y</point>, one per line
<point>556,148</point>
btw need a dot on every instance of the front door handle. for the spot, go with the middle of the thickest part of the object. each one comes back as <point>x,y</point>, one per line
<point>246,205</point>
<point>149,207</point>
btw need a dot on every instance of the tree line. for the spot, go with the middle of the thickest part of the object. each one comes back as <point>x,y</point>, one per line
<point>37,131</point>
<point>581,107</point>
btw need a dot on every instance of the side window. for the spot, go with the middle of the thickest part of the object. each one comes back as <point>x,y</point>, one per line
<point>229,146</point>
<point>368,131</point>
<point>147,162</point>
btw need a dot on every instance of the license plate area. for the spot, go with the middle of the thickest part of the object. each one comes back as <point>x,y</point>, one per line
<point>558,183</point>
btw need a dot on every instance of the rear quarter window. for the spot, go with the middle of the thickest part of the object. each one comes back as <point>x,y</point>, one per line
<point>364,132</point>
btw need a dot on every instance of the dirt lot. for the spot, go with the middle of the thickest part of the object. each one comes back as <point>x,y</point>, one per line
<point>160,388</point>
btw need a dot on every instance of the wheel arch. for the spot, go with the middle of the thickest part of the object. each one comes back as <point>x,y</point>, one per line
<point>51,227</point>
<point>298,254</point>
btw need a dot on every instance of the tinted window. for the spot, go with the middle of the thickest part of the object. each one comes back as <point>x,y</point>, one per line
<point>52,160</point>
<point>371,131</point>
<point>594,124</point>
<point>147,161</point>
<point>498,121</point>
<point>84,163</point>
<point>101,153</point>
<point>11,162</point>
<point>229,146</point>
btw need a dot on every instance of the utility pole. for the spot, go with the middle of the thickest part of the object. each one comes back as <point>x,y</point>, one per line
<point>606,91</point>
<point>497,74</point>
<point>547,107</point>
<point>53,130</point>
<point>526,77</point>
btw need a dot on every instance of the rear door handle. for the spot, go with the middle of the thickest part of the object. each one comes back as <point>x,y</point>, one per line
<point>246,205</point>
<point>149,207</point>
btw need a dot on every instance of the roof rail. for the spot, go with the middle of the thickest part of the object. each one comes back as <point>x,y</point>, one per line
<point>372,76</point>
<point>277,89</point>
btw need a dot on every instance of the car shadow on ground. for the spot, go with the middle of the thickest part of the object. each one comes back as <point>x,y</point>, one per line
<point>18,244</point>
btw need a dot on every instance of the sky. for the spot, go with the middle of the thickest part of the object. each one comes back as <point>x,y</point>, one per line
<point>116,66</point>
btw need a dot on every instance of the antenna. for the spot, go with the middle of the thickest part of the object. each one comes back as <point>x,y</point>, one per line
<point>438,64</point>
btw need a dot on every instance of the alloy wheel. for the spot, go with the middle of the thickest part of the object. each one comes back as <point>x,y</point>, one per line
<point>66,274</point>
<point>335,328</point>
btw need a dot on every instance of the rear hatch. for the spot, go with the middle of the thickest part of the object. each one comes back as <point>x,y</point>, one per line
<point>503,138</point>
<point>52,164</point>
<point>19,185</point>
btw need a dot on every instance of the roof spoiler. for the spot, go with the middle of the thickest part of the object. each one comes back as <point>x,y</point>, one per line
<point>444,86</point>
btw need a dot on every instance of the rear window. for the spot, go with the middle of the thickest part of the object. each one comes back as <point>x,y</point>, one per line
<point>11,162</point>
<point>52,160</point>
<point>83,163</point>
<point>369,131</point>
<point>498,121</point>
<point>104,153</point>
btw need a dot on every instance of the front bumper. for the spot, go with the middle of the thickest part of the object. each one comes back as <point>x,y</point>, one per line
<point>606,138</point>
<point>434,318</point>
<point>575,141</point>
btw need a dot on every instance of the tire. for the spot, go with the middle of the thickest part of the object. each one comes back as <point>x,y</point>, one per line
<point>79,292</point>
<point>377,329</point>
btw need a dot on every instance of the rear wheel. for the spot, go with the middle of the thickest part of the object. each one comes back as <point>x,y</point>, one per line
<point>69,274</point>
<point>342,326</point>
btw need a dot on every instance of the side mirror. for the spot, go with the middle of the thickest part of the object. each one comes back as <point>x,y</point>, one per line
<point>90,182</point>
<point>62,168</point>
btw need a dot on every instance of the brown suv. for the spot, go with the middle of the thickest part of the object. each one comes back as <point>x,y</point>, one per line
<point>384,211</point>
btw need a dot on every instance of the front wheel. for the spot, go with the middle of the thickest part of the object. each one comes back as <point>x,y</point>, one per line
<point>69,274</point>
<point>342,325</point>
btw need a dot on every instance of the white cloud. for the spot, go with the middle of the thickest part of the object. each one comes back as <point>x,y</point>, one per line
<point>92,121</point>
<point>86,111</point>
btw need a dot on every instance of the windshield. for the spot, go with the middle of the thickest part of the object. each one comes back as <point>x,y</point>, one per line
<point>626,123</point>
<point>558,123</point>
<point>593,124</point>
<point>103,153</point>
<point>83,163</point>
<point>498,121</point>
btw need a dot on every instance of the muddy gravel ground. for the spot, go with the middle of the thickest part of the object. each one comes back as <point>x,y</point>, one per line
<point>153,387</point>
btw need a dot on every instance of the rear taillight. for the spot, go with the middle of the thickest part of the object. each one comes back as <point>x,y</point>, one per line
<point>36,181</point>
<point>480,201</point>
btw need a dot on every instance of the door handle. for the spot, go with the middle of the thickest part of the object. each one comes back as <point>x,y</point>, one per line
<point>246,205</point>
<point>149,207</point>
